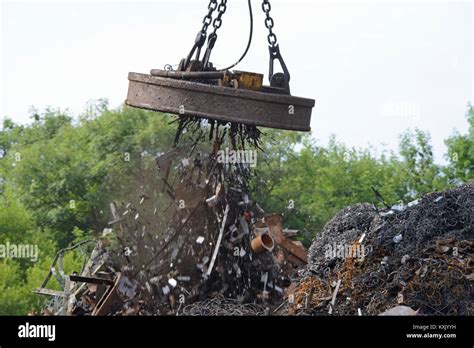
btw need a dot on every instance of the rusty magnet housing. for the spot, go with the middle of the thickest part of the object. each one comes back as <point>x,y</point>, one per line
<point>237,97</point>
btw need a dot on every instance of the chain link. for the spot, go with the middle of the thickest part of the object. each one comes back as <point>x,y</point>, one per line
<point>280,80</point>
<point>208,18</point>
<point>201,36</point>
<point>218,20</point>
<point>269,23</point>
<point>217,23</point>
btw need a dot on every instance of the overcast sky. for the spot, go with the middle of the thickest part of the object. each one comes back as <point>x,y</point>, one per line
<point>375,68</point>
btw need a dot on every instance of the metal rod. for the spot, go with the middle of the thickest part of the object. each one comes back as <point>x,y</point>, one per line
<point>219,240</point>
<point>189,75</point>
<point>334,295</point>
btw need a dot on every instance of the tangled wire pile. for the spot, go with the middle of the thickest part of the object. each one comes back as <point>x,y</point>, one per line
<point>419,256</point>
<point>220,306</point>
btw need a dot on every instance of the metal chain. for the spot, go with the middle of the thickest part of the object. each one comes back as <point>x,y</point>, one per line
<point>218,20</point>
<point>206,22</point>
<point>269,23</point>
<point>217,23</point>
<point>280,80</point>
<point>201,36</point>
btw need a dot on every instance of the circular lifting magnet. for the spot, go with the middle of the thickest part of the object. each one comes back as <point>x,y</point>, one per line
<point>226,104</point>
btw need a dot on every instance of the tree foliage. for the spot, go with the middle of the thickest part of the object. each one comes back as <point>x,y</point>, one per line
<point>461,153</point>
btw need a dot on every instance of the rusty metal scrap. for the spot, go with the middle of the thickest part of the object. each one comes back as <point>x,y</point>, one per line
<point>428,270</point>
<point>275,228</point>
<point>183,240</point>
<point>200,262</point>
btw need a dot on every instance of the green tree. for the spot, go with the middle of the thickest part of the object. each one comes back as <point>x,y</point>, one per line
<point>66,174</point>
<point>461,153</point>
<point>421,174</point>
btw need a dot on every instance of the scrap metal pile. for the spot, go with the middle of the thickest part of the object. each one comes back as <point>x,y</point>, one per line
<point>415,259</point>
<point>213,251</point>
<point>189,243</point>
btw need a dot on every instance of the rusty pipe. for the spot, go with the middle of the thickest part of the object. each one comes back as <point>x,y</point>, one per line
<point>262,243</point>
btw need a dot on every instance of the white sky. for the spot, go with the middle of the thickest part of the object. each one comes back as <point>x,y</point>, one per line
<point>375,68</point>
